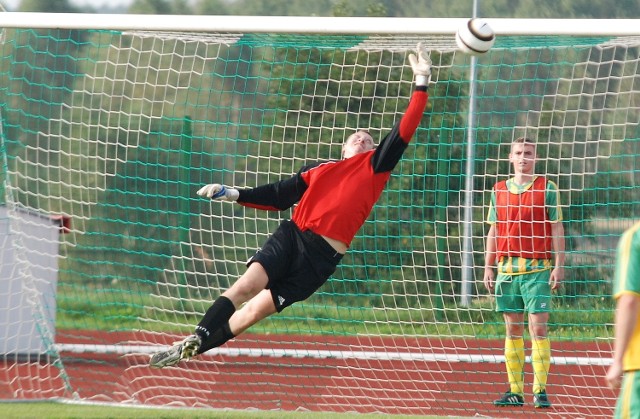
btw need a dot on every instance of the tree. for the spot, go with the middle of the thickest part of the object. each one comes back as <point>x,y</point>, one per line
<point>211,7</point>
<point>161,7</point>
<point>47,6</point>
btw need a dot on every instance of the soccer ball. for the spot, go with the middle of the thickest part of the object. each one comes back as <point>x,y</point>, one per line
<point>475,37</point>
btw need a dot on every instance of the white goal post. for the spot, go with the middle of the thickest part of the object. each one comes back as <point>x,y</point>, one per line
<point>317,24</point>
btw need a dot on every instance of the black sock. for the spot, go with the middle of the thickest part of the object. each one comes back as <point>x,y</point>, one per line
<point>217,338</point>
<point>216,316</point>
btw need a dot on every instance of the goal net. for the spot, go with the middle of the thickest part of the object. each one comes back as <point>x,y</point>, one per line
<point>109,255</point>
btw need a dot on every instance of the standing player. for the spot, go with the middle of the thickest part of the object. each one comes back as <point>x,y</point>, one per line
<point>626,351</point>
<point>526,233</point>
<point>334,200</point>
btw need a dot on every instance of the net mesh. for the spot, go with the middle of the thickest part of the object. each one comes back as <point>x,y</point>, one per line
<point>108,253</point>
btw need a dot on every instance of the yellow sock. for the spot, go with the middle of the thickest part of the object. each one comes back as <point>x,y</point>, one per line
<point>540,360</point>
<point>514,360</point>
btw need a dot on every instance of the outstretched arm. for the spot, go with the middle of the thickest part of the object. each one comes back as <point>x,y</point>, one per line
<point>421,66</point>
<point>277,196</point>
<point>391,148</point>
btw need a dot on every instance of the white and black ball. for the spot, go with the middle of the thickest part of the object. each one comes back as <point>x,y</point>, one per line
<point>476,37</point>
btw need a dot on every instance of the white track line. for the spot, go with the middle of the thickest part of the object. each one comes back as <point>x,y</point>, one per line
<point>315,354</point>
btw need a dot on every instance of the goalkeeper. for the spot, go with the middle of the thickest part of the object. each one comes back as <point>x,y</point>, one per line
<point>334,200</point>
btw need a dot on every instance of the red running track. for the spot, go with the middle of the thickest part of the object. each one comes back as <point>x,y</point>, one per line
<point>363,384</point>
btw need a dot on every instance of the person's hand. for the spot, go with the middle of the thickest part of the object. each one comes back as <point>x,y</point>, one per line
<point>217,191</point>
<point>614,375</point>
<point>556,277</point>
<point>489,278</point>
<point>421,65</point>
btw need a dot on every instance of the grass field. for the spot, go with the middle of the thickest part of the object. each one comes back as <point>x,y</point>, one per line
<point>97,307</point>
<point>51,410</point>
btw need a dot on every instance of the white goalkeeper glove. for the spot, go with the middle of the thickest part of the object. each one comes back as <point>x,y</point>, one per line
<point>421,65</point>
<point>217,191</point>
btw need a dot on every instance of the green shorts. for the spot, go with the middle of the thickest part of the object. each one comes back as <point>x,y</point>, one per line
<point>628,405</point>
<point>528,292</point>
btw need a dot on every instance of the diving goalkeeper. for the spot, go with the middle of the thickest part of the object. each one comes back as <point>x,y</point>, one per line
<point>334,200</point>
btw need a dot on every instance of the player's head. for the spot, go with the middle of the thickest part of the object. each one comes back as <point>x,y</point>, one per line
<point>523,155</point>
<point>358,142</point>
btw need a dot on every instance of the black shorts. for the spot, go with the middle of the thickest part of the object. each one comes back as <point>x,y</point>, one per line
<point>297,263</point>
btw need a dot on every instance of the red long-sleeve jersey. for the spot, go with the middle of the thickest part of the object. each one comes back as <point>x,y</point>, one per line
<point>336,197</point>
